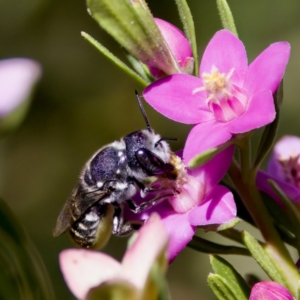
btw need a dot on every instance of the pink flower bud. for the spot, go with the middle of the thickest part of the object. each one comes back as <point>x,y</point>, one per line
<point>270,290</point>
<point>179,46</point>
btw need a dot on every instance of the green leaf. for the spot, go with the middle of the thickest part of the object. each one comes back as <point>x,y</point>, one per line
<point>262,258</point>
<point>236,282</point>
<point>232,234</point>
<point>205,246</point>
<point>293,213</point>
<point>22,271</point>
<point>220,287</point>
<point>270,131</point>
<point>207,155</point>
<point>202,158</point>
<point>116,290</point>
<point>140,68</point>
<point>228,224</point>
<point>131,24</point>
<point>283,222</point>
<point>189,30</point>
<point>226,16</point>
<point>276,212</point>
<point>115,60</point>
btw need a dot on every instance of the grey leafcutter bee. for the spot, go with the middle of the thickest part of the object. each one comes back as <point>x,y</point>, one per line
<point>108,181</point>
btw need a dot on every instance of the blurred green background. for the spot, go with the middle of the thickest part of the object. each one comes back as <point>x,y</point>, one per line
<point>84,102</point>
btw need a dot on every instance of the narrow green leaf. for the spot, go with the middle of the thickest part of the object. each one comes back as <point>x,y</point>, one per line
<point>202,158</point>
<point>189,29</point>
<point>262,258</point>
<point>283,222</point>
<point>276,212</point>
<point>270,131</point>
<point>131,24</point>
<point>115,60</point>
<point>21,265</point>
<point>140,68</point>
<point>292,211</point>
<point>228,224</point>
<point>207,155</point>
<point>220,287</point>
<point>232,234</point>
<point>205,246</point>
<point>236,282</point>
<point>287,236</point>
<point>226,16</point>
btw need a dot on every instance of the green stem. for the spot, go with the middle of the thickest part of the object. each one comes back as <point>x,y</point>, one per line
<point>245,157</point>
<point>274,245</point>
<point>226,16</point>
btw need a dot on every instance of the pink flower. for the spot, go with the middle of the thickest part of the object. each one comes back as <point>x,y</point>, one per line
<point>178,44</point>
<point>200,202</point>
<point>17,78</point>
<point>270,290</point>
<point>85,270</point>
<point>284,163</point>
<point>229,98</point>
<point>284,169</point>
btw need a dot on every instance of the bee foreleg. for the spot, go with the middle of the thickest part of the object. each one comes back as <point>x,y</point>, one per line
<point>138,208</point>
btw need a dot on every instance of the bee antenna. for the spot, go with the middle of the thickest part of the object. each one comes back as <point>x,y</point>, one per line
<point>143,111</point>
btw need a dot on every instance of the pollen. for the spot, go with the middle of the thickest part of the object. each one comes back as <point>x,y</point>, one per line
<point>217,85</point>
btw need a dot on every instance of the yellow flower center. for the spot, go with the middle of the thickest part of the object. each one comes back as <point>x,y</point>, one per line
<point>225,99</point>
<point>216,84</point>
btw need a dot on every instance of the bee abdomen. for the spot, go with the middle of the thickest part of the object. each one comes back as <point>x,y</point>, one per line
<point>94,227</point>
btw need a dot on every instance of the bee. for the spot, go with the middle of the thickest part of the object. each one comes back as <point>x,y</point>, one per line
<point>109,180</point>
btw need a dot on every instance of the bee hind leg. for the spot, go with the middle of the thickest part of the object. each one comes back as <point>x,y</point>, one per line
<point>121,227</point>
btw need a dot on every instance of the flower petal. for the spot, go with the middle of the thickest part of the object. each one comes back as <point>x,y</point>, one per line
<point>287,147</point>
<point>178,228</point>
<point>138,260</point>
<point>180,231</point>
<point>270,290</point>
<point>84,269</point>
<point>218,208</point>
<point>260,112</point>
<point>267,70</point>
<point>203,137</point>
<point>177,42</point>
<point>17,77</point>
<point>226,52</point>
<point>173,97</point>
<point>262,183</point>
<point>214,170</point>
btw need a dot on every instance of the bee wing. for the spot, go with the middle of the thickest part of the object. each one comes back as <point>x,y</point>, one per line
<point>82,202</point>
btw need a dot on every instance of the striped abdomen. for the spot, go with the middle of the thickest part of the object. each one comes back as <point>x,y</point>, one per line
<point>94,227</point>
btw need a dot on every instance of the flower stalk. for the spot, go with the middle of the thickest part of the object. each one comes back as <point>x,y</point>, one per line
<point>274,245</point>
